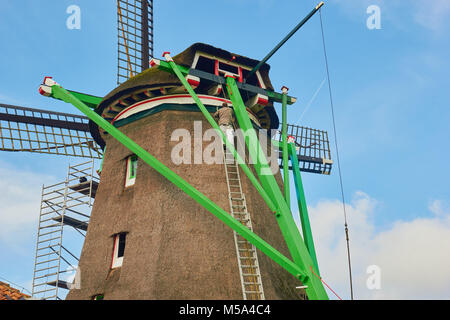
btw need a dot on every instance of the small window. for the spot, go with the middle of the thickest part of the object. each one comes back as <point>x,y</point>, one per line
<point>223,69</point>
<point>253,80</point>
<point>131,171</point>
<point>205,64</point>
<point>119,250</point>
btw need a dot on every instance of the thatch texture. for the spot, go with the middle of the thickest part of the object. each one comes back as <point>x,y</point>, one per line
<point>175,249</point>
<point>154,78</point>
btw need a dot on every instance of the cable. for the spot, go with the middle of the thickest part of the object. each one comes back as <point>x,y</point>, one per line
<point>337,155</point>
<point>311,100</point>
<point>324,283</point>
<point>15,284</point>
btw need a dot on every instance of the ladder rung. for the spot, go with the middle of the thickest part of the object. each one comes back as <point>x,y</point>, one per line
<point>247,250</point>
<point>247,258</point>
<point>46,261</point>
<point>48,240</point>
<point>249,266</point>
<point>44,234</point>
<point>36,271</point>
<point>46,254</point>
<point>52,289</point>
<point>51,226</point>
<point>259,292</point>
<point>47,275</point>
<point>53,245</point>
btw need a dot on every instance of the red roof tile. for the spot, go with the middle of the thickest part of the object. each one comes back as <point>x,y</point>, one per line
<point>8,293</point>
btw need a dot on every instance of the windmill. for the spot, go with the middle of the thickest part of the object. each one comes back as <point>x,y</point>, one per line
<point>151,234</point>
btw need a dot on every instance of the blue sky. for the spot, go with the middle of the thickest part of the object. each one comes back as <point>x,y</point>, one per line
<point>391,98</point>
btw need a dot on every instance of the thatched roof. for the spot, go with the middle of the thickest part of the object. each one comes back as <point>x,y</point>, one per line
<point>153,78</point>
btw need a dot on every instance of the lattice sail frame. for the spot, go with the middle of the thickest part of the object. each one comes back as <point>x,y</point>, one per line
<point>43,131</point>
<point>135,37</point>
<point>313,149</point>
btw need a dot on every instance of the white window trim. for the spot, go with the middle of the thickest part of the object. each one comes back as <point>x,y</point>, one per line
<point>199,53</point>
<point>116,261</point>
<point>130,181</point>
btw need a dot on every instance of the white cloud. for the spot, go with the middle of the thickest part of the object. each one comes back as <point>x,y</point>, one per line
<point>412,255</point>
<point>19,198</point>
<point>432,14</point>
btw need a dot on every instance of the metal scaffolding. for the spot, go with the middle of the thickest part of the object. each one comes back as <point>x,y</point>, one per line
<point>65,210</point>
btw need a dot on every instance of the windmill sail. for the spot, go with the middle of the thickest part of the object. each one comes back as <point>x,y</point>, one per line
<point>135,37</point>
<point>43,131</point>
<point>313,149</point>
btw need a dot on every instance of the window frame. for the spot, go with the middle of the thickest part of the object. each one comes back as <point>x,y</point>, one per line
<point>131,171</point>
<point>231,63</point>
<point>117,261</point>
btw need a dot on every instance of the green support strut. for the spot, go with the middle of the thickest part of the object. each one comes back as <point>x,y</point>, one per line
<point>56,91</point>
<point>287,195</point>
<point>302,208</point>
<point>291,234</point>
<point>178,72</point>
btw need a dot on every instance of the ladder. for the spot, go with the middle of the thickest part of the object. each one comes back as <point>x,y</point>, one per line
<point>65,204</point>
<point>252,288</point>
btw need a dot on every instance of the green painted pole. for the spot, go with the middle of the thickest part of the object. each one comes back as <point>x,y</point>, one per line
<point>60,93</point>
<point>287,195</point>
<point>219,131</point>
<point>272,95</point>
<point>286,38</point>
<point>291,234</point>
<point>302,208</point>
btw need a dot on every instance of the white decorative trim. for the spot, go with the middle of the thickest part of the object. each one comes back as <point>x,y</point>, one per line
<point>174,99</point>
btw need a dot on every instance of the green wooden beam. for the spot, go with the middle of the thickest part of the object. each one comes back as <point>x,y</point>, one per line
<point>60,93</point>
<point>302,208</point>
<point>89,100</point>
<point>291,234</point>
<point>272,95</point>
<point>178,71</point>
<point>287,195</point>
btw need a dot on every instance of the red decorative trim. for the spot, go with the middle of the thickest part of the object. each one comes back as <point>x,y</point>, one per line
<point>164,53</point>
<point>42,92</point>
<point>262,101</point>
<point>154,62</point>
<point>193,82</point>
<point>241,78</point>
<point>45,79</point>
<point>216,67</point>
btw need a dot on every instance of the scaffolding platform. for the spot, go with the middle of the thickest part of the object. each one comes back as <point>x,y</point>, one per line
<point>88,188</point>
<point>65,209</point>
